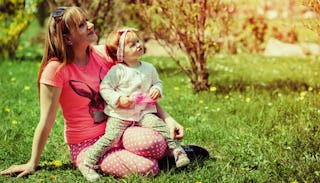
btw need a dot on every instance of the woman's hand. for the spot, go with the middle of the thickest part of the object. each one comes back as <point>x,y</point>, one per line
<point>176,130</point>
<point>21,170</point>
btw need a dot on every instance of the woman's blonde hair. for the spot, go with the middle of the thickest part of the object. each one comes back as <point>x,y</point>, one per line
<point>59,26</point>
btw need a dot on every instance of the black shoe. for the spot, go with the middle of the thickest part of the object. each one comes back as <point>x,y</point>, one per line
<point>195,154</point>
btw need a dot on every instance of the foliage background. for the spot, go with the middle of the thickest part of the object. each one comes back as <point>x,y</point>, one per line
<point>259,119</point>
<point>199,28</point>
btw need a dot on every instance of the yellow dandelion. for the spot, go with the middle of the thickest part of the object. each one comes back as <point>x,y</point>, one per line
<point>52,177</point>
<point>176,88</point>
<point>7,109</point>
<point>248,99</point>
<point>56,163</point>
<point>201,101</point>
<point>187,129</point>
<point>226,97</point>
<point>303,93</point>
<point>26,88</point>
<point>13,79</point>
<point>310,88</point>
<point>14,122</point>
<point>198,182</point>
<point>294,181</point>
<point>213,88</point>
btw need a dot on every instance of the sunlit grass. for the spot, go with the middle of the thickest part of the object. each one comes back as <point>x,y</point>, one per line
<point>259,121</point>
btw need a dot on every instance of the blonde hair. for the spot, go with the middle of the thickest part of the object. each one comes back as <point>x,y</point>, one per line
<point>55,46</point>
<point>112,42</point>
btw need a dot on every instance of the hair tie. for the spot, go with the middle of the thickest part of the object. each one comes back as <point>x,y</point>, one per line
<point>120,52</point>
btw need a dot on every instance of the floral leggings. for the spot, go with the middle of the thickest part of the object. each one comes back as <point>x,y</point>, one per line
<point>137,153</point>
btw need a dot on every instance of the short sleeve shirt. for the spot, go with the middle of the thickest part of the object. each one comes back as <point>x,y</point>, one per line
<point>80,101</point>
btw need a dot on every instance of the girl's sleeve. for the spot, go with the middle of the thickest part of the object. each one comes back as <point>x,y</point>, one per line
<point>108,87</point>
<point>156,82</point>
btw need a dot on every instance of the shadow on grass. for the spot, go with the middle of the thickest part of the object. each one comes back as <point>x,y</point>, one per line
<point>272,86</point>
<point>66,166</point>
<point>47,167</point>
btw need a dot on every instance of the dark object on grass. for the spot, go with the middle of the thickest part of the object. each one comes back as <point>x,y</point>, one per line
<point>195,154</point>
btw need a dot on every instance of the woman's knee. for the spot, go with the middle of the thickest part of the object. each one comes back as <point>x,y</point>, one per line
<point>121,163</point>
<point>144,142</point>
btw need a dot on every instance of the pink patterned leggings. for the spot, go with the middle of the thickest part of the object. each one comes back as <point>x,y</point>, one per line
<point>138,153</point>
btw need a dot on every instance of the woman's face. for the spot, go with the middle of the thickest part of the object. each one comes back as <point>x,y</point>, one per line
<point>84,34</point>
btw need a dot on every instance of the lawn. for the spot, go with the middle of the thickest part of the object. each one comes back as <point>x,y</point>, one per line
<point>260,121</point>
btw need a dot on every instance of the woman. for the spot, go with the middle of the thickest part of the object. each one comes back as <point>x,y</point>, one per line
<point>70,75</point>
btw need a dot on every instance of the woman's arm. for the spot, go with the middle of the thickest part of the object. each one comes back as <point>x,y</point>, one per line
<point>176,130</point>
<point>49,101</point>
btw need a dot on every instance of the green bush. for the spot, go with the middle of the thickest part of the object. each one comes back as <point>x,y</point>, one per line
<point>14,19</point>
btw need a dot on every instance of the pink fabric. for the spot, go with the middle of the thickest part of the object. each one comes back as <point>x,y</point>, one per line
<point>80,100</point>
<point>121,163</point>
<point>144,142</point>
<point>143,98</point>
<point>133,157</point>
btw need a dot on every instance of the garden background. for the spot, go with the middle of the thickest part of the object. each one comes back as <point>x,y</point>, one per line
<point>242,77</point>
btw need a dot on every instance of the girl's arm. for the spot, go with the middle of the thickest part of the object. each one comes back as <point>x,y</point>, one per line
<point>176,130</point>
<point>49,101</point>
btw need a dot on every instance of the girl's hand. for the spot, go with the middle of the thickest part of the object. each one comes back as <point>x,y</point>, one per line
<point>154,93</point>
<point>22,170</point>
<point>125,101</point>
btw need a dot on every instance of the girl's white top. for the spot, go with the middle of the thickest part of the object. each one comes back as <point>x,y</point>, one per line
<point>122,80</point>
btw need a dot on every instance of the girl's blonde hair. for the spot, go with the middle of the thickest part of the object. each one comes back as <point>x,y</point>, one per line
<point>112,42</point>
<point>56,47</point>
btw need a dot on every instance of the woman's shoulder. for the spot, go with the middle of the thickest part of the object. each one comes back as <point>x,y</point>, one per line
<point>100,55</point>
<point>101,50</point>
<point>53,65</point>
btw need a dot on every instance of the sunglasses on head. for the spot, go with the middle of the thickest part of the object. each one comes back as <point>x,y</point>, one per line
<point>58,13</point>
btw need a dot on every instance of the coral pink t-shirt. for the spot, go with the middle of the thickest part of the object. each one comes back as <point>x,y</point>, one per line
<point>80,100</point>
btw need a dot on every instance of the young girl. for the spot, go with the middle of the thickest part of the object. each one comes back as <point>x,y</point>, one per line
<point>130,89</point>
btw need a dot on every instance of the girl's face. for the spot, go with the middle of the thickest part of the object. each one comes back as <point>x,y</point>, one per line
<point>84,34</point>
<point>133,49</point>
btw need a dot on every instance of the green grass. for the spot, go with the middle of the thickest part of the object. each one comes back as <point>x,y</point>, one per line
<point>260,123</point>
